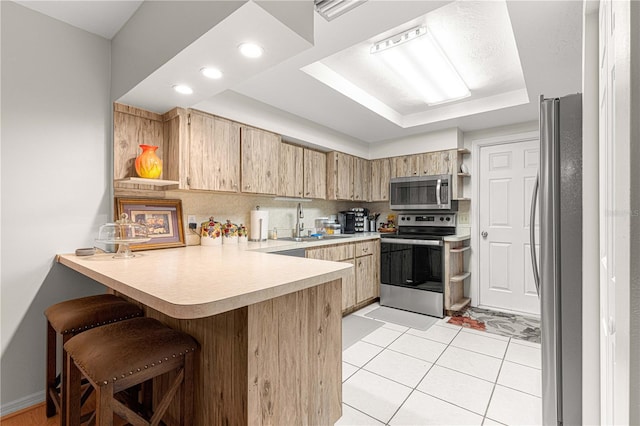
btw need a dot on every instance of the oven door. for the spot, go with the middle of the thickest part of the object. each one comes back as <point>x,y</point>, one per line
<point>420,193</point>
<point>412,275</point>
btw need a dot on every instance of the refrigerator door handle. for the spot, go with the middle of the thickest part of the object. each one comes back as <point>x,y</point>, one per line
<point>532,236</point>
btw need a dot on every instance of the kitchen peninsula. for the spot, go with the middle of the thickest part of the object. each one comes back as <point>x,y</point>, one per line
<point>269,327</point>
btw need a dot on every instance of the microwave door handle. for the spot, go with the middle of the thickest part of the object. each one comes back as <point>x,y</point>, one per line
<point>438,182</point>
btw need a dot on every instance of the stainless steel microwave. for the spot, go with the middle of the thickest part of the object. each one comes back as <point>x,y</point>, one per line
<point>421,193</point>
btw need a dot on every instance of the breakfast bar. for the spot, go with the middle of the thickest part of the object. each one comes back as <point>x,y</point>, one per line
<point>269,327</point>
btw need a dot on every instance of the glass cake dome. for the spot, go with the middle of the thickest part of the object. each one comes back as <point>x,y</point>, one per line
<point>123,232</point>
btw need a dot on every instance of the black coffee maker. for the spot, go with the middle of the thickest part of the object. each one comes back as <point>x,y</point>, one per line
<point>347,221</point>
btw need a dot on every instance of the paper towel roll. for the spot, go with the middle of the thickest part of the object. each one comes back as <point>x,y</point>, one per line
<point>259,225</point>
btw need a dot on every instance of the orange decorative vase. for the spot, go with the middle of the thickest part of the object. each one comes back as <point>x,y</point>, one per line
<point>148,164</point>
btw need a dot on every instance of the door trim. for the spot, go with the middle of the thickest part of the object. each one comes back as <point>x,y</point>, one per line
<point>476,145</point>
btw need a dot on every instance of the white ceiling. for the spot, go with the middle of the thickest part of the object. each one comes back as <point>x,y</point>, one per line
<point>547,38</point>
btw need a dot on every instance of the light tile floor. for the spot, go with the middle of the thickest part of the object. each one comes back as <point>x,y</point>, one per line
<point>446,375</point>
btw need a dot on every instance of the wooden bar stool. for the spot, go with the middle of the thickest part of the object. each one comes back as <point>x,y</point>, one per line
<point>70,318</point>
<point>124,354</point>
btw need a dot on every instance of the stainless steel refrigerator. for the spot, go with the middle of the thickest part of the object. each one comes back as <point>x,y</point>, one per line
<point>558,275</point>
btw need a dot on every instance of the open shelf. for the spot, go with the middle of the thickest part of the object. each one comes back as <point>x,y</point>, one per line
<point>462,303</point>
<point>464,151</point>
<point>464,174</point>
<point>462,199</point>
<point>460,277</point>
<point>459,250</point>
<point>142,183</point>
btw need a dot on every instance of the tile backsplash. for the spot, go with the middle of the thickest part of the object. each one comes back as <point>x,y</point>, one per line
<point>282,213</point>
<point>236,208</point>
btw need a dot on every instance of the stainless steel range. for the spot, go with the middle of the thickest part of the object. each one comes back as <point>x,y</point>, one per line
<point>412,263</point>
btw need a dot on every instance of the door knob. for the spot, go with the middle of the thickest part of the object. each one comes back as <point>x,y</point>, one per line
<point>484,234</point>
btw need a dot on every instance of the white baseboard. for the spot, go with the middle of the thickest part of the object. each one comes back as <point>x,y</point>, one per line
<point>21,403</point>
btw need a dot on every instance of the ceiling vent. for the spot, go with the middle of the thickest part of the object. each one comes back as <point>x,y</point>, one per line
<point>331,9</point>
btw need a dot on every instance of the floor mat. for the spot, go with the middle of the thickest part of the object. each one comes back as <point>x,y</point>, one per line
<point>400,317</point>
<point>355,327</point>
<point>502,323</point>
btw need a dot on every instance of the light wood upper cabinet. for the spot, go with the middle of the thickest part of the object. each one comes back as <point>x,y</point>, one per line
<point>435,163</point>
<point>315,174</point>
<point>339,176</point>
<point>214,153</point>
<point>260,152</point>
<point>380,175</point>
<point>290,172</point>
<point>407,165</point>
<point>361,179</point>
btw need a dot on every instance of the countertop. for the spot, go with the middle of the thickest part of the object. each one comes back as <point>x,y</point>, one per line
<point>271,246</point>
<point>200,281</point>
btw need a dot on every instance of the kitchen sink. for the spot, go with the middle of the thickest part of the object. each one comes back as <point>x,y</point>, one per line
<point>307,239</point>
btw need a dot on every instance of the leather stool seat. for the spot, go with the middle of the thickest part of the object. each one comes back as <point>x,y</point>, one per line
<point>77,315</point>
<point>124,354</point>
<point>70,318</point>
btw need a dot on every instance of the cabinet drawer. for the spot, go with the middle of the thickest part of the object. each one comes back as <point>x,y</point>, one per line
<point>334,253</point>
<point>365,247</point>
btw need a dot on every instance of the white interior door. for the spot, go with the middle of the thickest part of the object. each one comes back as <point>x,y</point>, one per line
<point>507,175</point>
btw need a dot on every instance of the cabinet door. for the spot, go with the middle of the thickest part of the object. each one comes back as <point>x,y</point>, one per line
<point>366,285</point>
<point>214,153</point>
<point>260,151</point>
<point>380,174</point>
<point>436,163</point>
<point>361,179</point>
<point>349,289</point>
<point>339,176</point>
<point>290,173</point>
<point>407,165</point>
<point>315,174</point>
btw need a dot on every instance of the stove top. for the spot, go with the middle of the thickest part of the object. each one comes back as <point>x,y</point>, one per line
<point>425,226</point>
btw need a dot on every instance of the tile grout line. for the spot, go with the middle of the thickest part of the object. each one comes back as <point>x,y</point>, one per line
<point>484,417</point>
<point>415,388</point>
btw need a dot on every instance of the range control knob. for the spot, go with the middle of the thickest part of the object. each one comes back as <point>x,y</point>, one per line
<point>441,219</point>
<point>448,219</point>
<point>403,218</point>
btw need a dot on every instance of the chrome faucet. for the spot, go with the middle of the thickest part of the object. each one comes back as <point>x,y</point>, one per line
<point>299,225</point>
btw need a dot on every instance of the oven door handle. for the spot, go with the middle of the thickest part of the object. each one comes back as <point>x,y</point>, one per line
<point>438,183</point>
<point>411,242</point>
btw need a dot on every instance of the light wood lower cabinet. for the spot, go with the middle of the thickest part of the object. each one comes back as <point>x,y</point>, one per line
<point>364,285</point>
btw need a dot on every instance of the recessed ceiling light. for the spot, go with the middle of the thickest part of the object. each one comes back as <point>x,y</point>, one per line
<point>209,72</point>
<point>251,50</point>
<point>181,88</point>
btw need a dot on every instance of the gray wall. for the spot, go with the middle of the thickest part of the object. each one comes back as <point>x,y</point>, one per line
<point>55,177</point>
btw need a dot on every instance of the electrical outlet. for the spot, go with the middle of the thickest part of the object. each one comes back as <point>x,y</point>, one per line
<point>191,219</point>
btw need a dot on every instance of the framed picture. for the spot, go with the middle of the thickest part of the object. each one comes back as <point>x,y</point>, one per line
<point>163,219</point>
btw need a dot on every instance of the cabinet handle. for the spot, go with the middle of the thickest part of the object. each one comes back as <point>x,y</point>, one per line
<point>365,249</point>
<point>247,186</point>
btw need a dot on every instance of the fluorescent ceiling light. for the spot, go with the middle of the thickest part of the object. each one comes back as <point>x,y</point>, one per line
<point>213,73</point>
<point>181,88</point>
<point>251,50</point>
<point>331,9</point>
<point>422,65</point>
